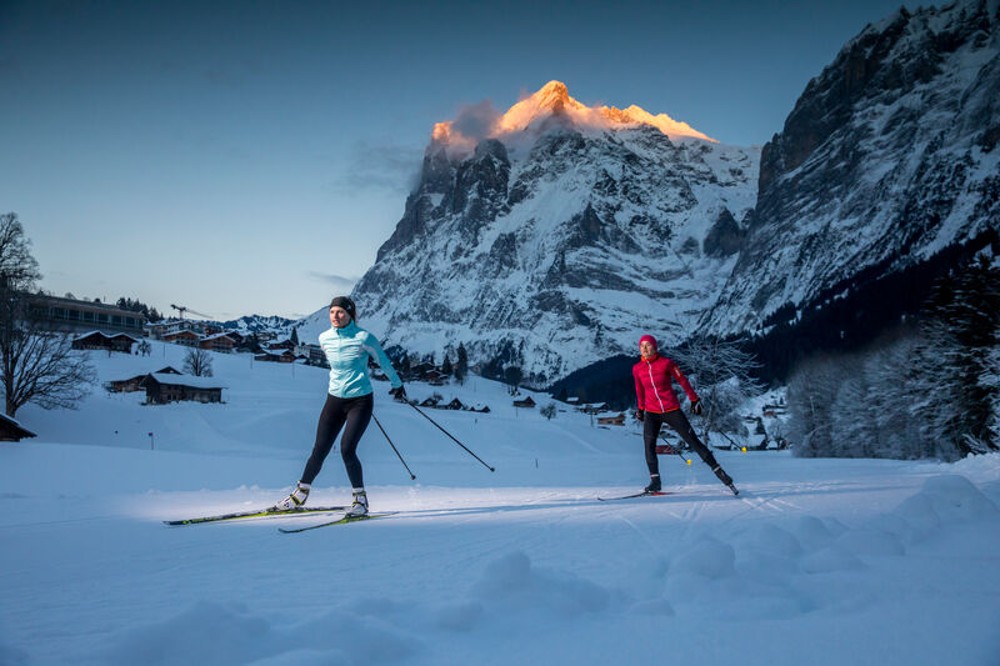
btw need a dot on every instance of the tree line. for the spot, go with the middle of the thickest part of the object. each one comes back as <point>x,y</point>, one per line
<point>929,389</point>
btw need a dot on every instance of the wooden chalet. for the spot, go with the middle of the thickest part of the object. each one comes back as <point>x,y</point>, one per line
<point>219,342</point>
<point>183,337</point>
<point>165,388</point>
<point>617,419</point>
<point>118,342</point>
<point>12,431</point>
<point>137,383</point>
<point>276,356</point>
<point>526,402</point>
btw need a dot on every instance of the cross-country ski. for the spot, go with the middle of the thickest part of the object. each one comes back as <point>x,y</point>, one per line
<point>343,520</point>
<point>258,513</point>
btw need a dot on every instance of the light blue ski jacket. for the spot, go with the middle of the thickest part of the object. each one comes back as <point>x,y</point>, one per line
<point>347,350</point>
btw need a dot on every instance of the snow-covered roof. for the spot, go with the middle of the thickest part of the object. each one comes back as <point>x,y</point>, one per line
<point>13,422</point>
<point>105,335</point>
<point>187,380</point>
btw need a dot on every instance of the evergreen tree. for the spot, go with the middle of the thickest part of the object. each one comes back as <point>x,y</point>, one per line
<point>964,319</point>
<point>462,365</point>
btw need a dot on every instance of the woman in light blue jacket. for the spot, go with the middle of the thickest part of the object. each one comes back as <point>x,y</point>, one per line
<point>349,402</point>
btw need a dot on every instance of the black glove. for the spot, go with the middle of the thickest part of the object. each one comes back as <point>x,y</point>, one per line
<point>640,415</point>
<point>398,393</point>
<point>696,407</point>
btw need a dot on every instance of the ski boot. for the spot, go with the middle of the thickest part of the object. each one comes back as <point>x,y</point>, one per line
<point>725,478</point>
<point>654,484</point>
<point>296,500</point>
<point>359,507</point>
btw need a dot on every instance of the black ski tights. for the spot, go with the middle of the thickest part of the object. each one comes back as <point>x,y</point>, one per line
<point>351,414</point>
<point>651,425</point>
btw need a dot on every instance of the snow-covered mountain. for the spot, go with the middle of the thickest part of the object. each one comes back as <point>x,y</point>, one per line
<point>274,325</point>
<point>553,235</point>
<point>550,236</point>
<point>889,157</point>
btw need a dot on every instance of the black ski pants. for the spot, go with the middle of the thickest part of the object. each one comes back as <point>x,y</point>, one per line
<point>651,425</point>
<point>351,414</point>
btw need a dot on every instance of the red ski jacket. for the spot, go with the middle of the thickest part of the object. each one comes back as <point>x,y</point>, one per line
<point>653,388</point>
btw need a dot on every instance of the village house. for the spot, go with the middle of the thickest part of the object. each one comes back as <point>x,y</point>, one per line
<point>69,314</point>
<point>158,330</point>
<point>164,388</point>
<point>616,419</point>
<point>219,342</point>
<point>98,340</point>
<point>137,383</point>
<point>526,402</point>
<point>313,354</point>
<point>12,431</point>
<point>183,337</point>
<point>276,356</point>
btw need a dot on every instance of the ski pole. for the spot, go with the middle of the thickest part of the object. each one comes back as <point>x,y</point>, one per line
<point>398,455</point>
<point>453,438</point>
<point>676,449</point>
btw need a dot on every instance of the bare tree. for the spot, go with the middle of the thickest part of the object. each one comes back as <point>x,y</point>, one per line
<point>38,366</point>
<point>723,376</point>
<point>198,362</point>
<point>42,367</point>
<point>811,392</point>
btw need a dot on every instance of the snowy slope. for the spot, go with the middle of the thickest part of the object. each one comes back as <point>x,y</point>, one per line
<point>826,562</point>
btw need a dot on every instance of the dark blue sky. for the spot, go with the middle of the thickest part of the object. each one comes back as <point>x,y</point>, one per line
<point>258,153</point>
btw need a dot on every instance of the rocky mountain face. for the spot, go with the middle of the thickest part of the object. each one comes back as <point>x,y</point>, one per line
<point>551,236</point>
<point>888,160</point>
<point>559,236</point>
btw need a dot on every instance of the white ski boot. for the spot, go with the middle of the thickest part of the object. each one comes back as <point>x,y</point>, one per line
<point>360,505</point>
<point>296,500</point>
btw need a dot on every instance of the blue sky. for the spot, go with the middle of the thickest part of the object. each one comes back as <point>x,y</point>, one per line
<point>251,157</point>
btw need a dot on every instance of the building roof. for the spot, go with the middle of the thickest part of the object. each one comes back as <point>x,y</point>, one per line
<point>187,380</point>
<point>12,423</point>
<point>105,335</point>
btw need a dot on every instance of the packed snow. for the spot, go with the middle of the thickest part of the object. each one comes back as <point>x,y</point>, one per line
<point>816,562</point>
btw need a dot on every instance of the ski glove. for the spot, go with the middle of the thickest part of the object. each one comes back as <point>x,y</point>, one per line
<point>398,393</point>
<point>696,407</point>
<point>640,415</point>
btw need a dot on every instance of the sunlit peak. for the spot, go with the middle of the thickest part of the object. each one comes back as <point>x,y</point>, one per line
<point>552,103</point>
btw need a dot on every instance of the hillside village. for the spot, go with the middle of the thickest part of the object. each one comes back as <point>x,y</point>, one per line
<point>105,328</point>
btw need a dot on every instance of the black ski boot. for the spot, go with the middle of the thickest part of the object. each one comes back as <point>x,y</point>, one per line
<point>654,484</point>
<point>725,478</point>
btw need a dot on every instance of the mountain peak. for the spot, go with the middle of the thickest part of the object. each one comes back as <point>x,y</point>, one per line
<point>553,105</point>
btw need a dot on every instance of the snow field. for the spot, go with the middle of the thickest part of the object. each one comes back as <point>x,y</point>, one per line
<point>817,561</point>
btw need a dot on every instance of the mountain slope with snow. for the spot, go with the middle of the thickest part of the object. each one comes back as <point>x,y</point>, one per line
<point>889,157</point>
<point>559,237</point>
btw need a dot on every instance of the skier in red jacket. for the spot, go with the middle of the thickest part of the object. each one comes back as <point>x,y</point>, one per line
<point>657,404</point>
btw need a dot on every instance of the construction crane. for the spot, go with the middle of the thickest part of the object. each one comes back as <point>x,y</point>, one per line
<point>181,309</point>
